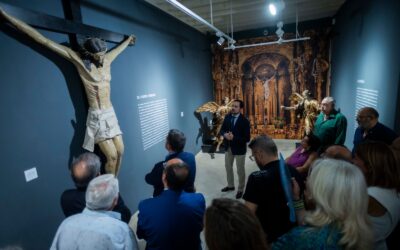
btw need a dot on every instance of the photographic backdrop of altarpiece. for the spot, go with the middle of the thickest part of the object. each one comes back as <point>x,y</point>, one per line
<point>265,76</point>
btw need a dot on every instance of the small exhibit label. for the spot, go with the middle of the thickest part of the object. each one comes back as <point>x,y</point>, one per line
<point>30,174</point>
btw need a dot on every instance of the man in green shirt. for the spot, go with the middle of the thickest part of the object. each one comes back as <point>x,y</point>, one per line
<point>330,126</point>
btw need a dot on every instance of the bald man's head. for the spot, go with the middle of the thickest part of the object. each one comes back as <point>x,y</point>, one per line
<point>367,117</point>
<point>84,169</point>
<point>80,170</point>
<point>338,152</point>
<point>175,174</point>
<point>174,161</point>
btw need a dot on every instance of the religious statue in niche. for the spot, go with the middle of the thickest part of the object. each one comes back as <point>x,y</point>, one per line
<point>218,112</point>
<point>319,68</point>
<point>93,64</point>
<point>219,80</point>
<point>305,107</point>
<point>234,80</point>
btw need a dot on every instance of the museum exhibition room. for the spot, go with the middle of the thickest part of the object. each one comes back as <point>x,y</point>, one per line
<point>147,124</point>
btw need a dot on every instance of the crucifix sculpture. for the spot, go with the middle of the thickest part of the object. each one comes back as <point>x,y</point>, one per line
<point>93,64</point>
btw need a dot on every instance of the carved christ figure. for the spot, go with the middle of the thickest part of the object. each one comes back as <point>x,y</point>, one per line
<point>93,65</point>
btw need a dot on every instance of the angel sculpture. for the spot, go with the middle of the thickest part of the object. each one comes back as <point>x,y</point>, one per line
<point>305,107</point>
<point>219,112</point>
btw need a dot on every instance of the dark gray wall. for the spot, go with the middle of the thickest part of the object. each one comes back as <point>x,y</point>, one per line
<point>43,108</point>
<point>366,47</point>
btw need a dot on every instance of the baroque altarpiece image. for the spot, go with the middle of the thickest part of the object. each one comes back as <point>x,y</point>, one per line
<point>265,77</point>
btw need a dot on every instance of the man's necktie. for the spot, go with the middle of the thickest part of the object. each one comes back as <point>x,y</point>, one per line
<point>232,122</point>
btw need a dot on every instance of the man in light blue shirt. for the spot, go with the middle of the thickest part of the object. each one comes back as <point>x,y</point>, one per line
<point>97,227</point>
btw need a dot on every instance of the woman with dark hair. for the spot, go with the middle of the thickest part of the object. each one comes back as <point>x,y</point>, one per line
<point>93,65</point>
<point>230,225</point>
<point>377,162</point>
<point>395,147</point>
<point>304,155</point>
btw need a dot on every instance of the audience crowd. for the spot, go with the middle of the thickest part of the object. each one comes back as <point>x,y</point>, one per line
<point>323,196</point>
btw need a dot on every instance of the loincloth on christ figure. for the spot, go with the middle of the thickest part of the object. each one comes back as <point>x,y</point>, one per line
<point>101,124</point>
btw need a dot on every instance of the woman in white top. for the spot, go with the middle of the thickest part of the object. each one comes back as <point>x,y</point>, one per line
<point>378,164</point>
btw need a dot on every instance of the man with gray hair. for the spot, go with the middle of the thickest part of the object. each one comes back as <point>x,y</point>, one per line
<point>83,169</point>
<point>264,193</point>
<point>331,125</point>
<point>97,227</point>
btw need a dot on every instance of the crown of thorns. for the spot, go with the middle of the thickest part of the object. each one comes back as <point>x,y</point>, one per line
<point>92,46</point>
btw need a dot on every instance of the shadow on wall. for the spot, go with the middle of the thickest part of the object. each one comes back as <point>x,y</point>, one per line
<point>74,85</point>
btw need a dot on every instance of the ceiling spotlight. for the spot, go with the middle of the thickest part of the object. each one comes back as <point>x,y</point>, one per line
<point>276,6</point>
<point>221,41</point>
<point>272,9</point>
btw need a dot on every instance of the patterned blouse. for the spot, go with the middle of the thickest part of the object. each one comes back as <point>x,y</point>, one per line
<point>307,237</point>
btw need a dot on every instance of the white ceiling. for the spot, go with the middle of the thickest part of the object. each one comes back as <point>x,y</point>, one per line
<point>248,14</point>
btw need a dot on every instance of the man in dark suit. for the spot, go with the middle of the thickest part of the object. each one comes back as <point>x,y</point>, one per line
<point>236,133</point>
<point>83,169</point>
<point>175,143</point>
<point>174,219</point>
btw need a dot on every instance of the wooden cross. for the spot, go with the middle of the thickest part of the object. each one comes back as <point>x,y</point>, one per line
<point>72,26</point>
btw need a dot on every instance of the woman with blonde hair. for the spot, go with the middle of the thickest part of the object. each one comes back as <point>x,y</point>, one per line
<point>339,220</point>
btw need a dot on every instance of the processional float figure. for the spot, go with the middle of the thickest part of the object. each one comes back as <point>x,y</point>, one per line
<point>305,107</point>
<point>219,112</point>
<point>93,65</point>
